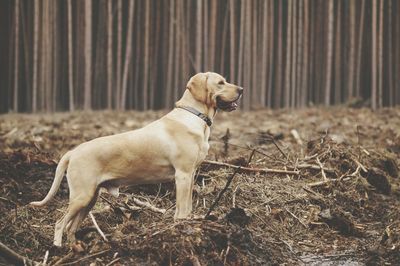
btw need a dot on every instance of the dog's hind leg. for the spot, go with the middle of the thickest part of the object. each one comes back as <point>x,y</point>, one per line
<point>74,225</point>
<point>81,195</point>
<point>73,210</point>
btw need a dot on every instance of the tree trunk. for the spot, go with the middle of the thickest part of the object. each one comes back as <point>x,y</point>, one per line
<point>359,50</point>
<point>352,46</point>
<point>170,67</point>
<point>213,28</point>
<point>390,61</point>
<point>88,56</point>
<point>36,7</point>
<point>380,53</point>
<point>199,8</point>
<point>329,55</point>
<point>233,54</point>
<point>16,56</point>
<point>305,65</point>
<point>70,58</point>
<point>128,56</point>
<point>338,63</point>
<point>241,43</point>
<point>265,46</point>
<point>288,55</point>
<point>279,72</point>
<point>374,55</point>
<point>294,55</point>
<point>119,55</point>
<point>109,54</point>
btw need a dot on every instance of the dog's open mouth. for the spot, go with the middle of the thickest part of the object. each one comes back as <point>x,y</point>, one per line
<point>227,106</point>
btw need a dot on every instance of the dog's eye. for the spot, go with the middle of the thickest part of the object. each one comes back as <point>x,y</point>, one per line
<point>221,82</point>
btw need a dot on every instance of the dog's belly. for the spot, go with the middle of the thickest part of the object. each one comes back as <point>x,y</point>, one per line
<point>142,175</point>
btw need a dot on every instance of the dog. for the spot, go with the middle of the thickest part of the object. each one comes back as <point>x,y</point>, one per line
<point>169,148</point>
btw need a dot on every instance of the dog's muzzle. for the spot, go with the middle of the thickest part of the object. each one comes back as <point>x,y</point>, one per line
<point>228,106</point>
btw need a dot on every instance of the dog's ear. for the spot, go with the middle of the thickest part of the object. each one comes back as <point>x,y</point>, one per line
<point>197,86</point>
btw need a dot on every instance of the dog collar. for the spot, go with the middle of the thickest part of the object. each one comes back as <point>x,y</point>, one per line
<point>197,113</point>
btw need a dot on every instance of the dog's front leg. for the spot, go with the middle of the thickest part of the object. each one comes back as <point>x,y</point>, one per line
<point>184,187</point>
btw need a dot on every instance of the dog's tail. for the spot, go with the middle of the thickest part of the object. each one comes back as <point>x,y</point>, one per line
<point>61,167</point>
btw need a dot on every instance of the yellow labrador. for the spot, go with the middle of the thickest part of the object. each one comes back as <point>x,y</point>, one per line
<point>168,148</point>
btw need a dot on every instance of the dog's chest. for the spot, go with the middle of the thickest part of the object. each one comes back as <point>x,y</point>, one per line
<point>204,148</point>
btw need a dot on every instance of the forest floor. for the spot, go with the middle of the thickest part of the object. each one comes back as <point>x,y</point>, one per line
<point>346,214</point>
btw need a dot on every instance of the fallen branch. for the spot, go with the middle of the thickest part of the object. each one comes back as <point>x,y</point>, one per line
<point>250,169</point>
<point>320,183</point>
<point>148,205</point>
<point>314,167</point>
<point>13,257</point>
<point>97,227</point>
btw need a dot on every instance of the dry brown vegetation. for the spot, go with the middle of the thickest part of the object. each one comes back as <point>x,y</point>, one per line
<point>346,213</point>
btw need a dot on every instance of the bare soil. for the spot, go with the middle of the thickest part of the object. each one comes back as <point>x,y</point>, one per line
<point>346,214</point>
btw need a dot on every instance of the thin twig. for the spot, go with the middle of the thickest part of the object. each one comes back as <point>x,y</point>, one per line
<point>97,227</point>
<point>314,167</point>
<point>322,169</point>
<point>87,257</point>
<point>147,205</point>
<point>279,148</point>
<point>251,169</point>
<point>113,261</point>
<point>297,218</point>
<point>320,183</point>
<point>46,256</point>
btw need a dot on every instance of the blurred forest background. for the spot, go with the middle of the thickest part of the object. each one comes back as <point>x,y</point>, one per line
<point>125,54</point>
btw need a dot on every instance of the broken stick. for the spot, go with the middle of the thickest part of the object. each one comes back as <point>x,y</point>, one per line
<point>250,169</point>
<point>147,205</point>
<point>97,227</point>
<point>13,257</point>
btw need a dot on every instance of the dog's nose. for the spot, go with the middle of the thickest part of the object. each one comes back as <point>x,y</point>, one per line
<point>240,90</point>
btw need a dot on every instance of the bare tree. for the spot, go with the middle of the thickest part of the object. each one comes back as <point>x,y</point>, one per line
<point>265,46</point>
<point>119,55</point>
<point>359,49</point>
<point>88,56</point>
<point>199,7</point>
<point>338,64</point>
<point>232,29</point>
<point>374,55</point>
<point>288,55</point>
<point>329,54</point>
<point>109,54</point>
<point>352,46</point>
<point>16,56</point>
<point>36,7</point>
<point>70,58</point>
<point>128,56</point>
<point>305,65</point>
<point>380,53</point>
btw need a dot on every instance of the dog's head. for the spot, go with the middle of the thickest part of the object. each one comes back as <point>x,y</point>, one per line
<point>212,89</point>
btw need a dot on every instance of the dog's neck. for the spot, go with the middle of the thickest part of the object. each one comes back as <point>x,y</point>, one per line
<point>188,100</point>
